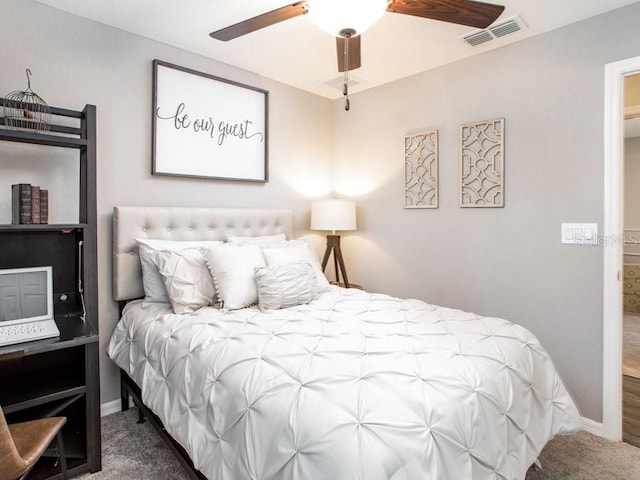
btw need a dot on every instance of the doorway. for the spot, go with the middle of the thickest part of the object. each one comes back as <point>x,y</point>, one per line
<point>631,264</point>
<point>615,74</point>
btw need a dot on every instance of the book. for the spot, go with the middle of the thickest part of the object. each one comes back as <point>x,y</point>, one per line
<point>21,203</point>
<point>35,204</point>
<point>44,206</point>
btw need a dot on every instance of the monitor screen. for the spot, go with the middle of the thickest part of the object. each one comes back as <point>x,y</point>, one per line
<point>26,294</point>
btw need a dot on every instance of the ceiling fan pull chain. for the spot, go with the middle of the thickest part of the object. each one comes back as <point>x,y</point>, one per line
<point>345,90</point>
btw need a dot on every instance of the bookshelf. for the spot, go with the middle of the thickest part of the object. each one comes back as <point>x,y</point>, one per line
<point>59,376</point>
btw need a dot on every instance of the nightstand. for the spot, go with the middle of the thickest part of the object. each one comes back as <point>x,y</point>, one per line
<point>351,285</point>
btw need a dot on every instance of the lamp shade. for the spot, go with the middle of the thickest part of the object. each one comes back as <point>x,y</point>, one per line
<point>336,15</point>
<point>333,214</point>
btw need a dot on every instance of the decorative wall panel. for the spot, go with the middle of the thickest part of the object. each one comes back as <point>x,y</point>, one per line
<point>421,170</point>
<point>482,164</point>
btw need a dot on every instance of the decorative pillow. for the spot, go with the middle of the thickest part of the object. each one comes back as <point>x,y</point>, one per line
<point>155,290</point>
<point>233,270</point>
<point>186,277</point>
<point>285,285</point>
<point>262,240</point>
<point>297,251</point>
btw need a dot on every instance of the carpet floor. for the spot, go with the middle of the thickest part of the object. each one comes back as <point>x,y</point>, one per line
<point>135,452</point>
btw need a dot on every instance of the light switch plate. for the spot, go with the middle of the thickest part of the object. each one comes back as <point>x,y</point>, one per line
<point>579,233</point>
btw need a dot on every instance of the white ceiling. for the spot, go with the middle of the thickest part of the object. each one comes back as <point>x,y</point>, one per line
<point>298,53</point>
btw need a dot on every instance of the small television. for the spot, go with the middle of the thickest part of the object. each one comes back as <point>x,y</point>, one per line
<point>26,305</point>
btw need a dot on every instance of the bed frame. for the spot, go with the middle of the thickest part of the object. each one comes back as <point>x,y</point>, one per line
<point>176,223</point>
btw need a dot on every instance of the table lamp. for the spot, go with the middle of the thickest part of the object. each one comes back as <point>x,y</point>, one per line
<point>334,215</point>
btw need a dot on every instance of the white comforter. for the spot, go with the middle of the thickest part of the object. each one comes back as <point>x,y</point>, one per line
<point>352,386</point>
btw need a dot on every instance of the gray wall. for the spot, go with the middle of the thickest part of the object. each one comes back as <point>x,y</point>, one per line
<point>75,62</point>
<point>505,262</point>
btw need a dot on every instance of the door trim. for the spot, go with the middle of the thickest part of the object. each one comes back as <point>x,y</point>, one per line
<point>613,243</point>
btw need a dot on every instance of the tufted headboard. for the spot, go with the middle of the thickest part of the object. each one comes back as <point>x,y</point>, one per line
<point>181,223</point>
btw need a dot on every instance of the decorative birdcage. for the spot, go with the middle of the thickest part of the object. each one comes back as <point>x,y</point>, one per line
<point>26,110</point>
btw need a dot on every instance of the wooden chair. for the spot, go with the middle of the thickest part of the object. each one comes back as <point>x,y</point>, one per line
<point>22,444</point>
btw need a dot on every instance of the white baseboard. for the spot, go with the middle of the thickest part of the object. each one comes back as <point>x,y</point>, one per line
<point>592,427</point>
<point>110,407</point>
<point>113,406</point>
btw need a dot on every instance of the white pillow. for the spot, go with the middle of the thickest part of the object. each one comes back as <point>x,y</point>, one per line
<point>262,240</point>
<point>155,290</point>
<point>186,277</point>
<point>285,285</point>
<point>233,270</point>
<point>297,251</point>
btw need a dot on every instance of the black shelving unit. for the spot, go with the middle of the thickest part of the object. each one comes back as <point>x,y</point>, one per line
<point>59,376</point>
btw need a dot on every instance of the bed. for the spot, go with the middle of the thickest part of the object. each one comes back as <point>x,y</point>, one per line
<point>349,385</point>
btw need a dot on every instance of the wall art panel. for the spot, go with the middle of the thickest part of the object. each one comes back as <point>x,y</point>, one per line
<point>421,170</point>
<point>482,164</point>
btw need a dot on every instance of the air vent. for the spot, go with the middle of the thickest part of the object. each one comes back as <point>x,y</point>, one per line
<point>506,27</point>
<point>512,25</point>
<point>476,38</point>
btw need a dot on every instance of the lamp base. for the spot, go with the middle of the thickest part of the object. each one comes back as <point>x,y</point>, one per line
<point>333,245</point>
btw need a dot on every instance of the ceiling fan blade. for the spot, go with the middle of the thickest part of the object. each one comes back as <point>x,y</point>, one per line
<point>353,53</point>
<point>462,12</point>
<point>261,21</point>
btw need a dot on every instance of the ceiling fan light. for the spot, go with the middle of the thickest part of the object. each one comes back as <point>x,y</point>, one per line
<point>336,15</point>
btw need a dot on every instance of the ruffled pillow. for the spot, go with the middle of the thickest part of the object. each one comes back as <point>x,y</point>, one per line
<point>297,251</point>
<point>186,277</point>
<point>285,285</point>
<point>155,290</point>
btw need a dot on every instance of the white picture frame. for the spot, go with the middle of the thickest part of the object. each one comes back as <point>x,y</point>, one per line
<point>208,127</point>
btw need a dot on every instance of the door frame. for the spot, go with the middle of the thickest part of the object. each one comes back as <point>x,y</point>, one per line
<point>615,74</point>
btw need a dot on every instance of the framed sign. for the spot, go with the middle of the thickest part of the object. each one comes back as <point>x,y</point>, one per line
<point>208,127</point>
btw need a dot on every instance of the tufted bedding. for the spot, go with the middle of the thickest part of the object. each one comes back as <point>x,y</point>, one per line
<point>351,386</point>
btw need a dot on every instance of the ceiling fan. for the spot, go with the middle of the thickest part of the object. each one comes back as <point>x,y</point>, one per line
<point>347,19</point>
